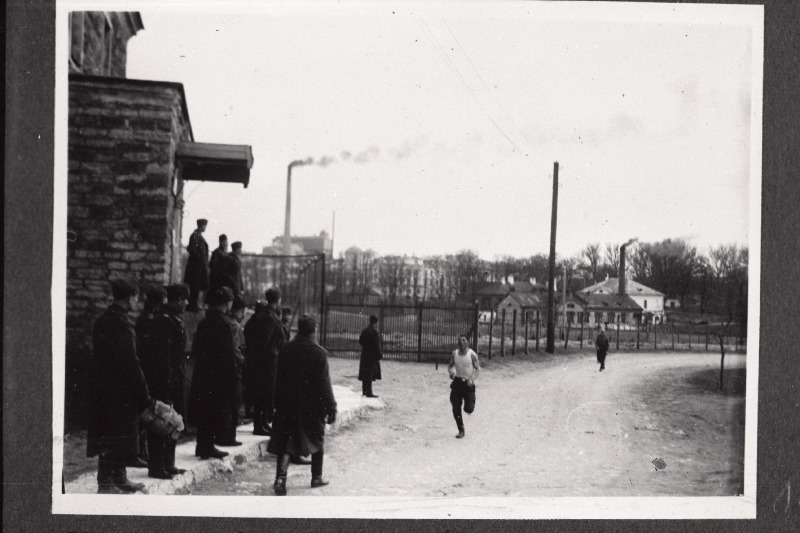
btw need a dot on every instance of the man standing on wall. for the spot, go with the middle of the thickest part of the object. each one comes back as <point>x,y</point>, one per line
<point>117,393</point>
<point>264,337</point>
<point>234,269</point>
<point>369,367</point>
<point>218,266</point>
<point>304,402</point>
<point>196,275</point>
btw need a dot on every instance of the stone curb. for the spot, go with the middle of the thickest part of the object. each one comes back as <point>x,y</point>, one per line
<point>350,406</point>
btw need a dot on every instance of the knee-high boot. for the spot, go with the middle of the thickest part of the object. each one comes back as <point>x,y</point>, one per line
<point>281,471</point>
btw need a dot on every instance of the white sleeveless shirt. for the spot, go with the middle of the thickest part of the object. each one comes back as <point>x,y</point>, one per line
<point>463,363</point>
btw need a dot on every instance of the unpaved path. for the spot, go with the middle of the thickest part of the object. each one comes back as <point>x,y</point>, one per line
<point>546,428</point>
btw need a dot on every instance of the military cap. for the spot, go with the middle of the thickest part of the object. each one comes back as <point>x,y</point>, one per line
<point>238,303</point>
<point>273,294</point>
<point>223,237</point>
<point>202,221</point>
<point>219,296</point>
<point>306,325</point>
<point>123,288</point>
<point>237,245</point>
<point>177,291</point>
<point>373,319</point>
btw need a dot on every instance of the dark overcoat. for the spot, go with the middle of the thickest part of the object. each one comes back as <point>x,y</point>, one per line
<point>234,273</point>
<point>219,271</point>
<point>214,379</point>
<point>602,347</point>
<point>196,274</point>
<point>162,348</point>
<point>369,367</point>
<point>263,336</point>
<point>303,398</point>
<point>117,389</point>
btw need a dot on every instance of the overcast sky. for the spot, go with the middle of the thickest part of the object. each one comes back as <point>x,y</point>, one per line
<point>444,121</point>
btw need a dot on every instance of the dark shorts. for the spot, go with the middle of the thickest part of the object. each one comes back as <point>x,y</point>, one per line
<point>462,391</point>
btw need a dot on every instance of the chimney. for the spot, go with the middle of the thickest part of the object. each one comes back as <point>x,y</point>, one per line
<point>622,280</point>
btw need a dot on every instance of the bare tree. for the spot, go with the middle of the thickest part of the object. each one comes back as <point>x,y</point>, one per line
<point>612,256</point>
<point>590,257</point>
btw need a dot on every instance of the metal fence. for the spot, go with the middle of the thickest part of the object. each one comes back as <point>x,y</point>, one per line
<point>299,277</point>
<point>525,332</point>
<point>411,331</point>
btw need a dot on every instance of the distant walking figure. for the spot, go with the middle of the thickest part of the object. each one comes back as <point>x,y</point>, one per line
<point>196,275</point>
<point>463,368</point>
<point>602,348</point>
<point>369,368</point>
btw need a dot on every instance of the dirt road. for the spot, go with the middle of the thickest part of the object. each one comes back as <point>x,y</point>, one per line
<point>550,426</point>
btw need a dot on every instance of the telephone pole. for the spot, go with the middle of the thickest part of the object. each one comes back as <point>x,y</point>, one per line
<point>551,327</point>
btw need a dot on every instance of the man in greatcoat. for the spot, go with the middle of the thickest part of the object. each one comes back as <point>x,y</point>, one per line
<point>369,367</point>
<point>218,266</point>
<point>214,380</point>
<point>162,348</point>
<point>304,402</point>
<point>263,336</point>
<point>196,275</point>
<point>117,392</point>
<point>235,317</point>
<point>234,269</point>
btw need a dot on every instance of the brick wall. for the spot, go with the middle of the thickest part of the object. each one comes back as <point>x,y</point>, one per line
<point>123,136</point>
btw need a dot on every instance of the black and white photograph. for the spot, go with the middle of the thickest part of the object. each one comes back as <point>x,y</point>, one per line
<point>448,260</point>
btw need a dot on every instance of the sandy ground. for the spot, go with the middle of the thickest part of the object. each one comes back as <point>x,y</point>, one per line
<point>543,426</point>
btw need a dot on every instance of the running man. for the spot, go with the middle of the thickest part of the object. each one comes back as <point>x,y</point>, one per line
<point>463,369</point>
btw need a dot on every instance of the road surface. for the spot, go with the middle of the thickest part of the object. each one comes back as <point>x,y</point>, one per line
<point>651,424</point>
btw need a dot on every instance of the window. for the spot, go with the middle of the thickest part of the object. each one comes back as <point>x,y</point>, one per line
<point>645,304</point>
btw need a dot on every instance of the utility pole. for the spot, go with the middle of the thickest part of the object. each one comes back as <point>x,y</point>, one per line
<point>564,301</point>
<point>551,327</point>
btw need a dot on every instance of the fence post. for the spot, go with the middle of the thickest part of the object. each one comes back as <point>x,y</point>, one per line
<point>419,332</point>
<point>706,335</point>
<point>514,332</point>
<point>655,335</point>
<point>475,327</point>
<point>503,335</point>
<point>526,332</point>
<point>582,319</point>
<point>690,340</point>
<point>491,331</point>
<point>322,292</point>
<point>537,330</point>
<point>617,332</point>
<point>672,330</point>
<point>638,323</point>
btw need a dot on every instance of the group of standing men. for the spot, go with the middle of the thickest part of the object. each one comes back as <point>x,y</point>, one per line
<point>204,274</point>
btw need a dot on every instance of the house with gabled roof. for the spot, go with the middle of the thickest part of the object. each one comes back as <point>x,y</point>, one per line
<point>650,301</point>
<point>608,308</point>
<point>521,302</point>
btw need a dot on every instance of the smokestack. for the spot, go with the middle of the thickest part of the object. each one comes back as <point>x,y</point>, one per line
<point>287,229</point>
<point>623,282</point>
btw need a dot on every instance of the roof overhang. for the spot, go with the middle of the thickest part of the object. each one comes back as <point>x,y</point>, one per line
<point>226,163</point>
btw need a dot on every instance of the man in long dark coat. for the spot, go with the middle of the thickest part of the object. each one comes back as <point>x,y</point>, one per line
<point>162,343</point>
<point>263,337</point>
<point>304,402</point>
<point>214,380</point>
<point>196,275</point>
<point>218,266</point>
<point>601,343</point>
<point>235,317</point>
<point>369,367</point>
<point>234,269</point>
<point>117,393</point>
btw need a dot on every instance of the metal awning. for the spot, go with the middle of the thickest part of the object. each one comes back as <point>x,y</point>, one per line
<point>227,163</point>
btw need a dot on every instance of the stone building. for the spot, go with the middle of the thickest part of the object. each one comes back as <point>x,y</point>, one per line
<point>130,149</point>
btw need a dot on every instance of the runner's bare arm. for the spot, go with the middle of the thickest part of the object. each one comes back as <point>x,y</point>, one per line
<point>451,366</point>
<point>476,365</point>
